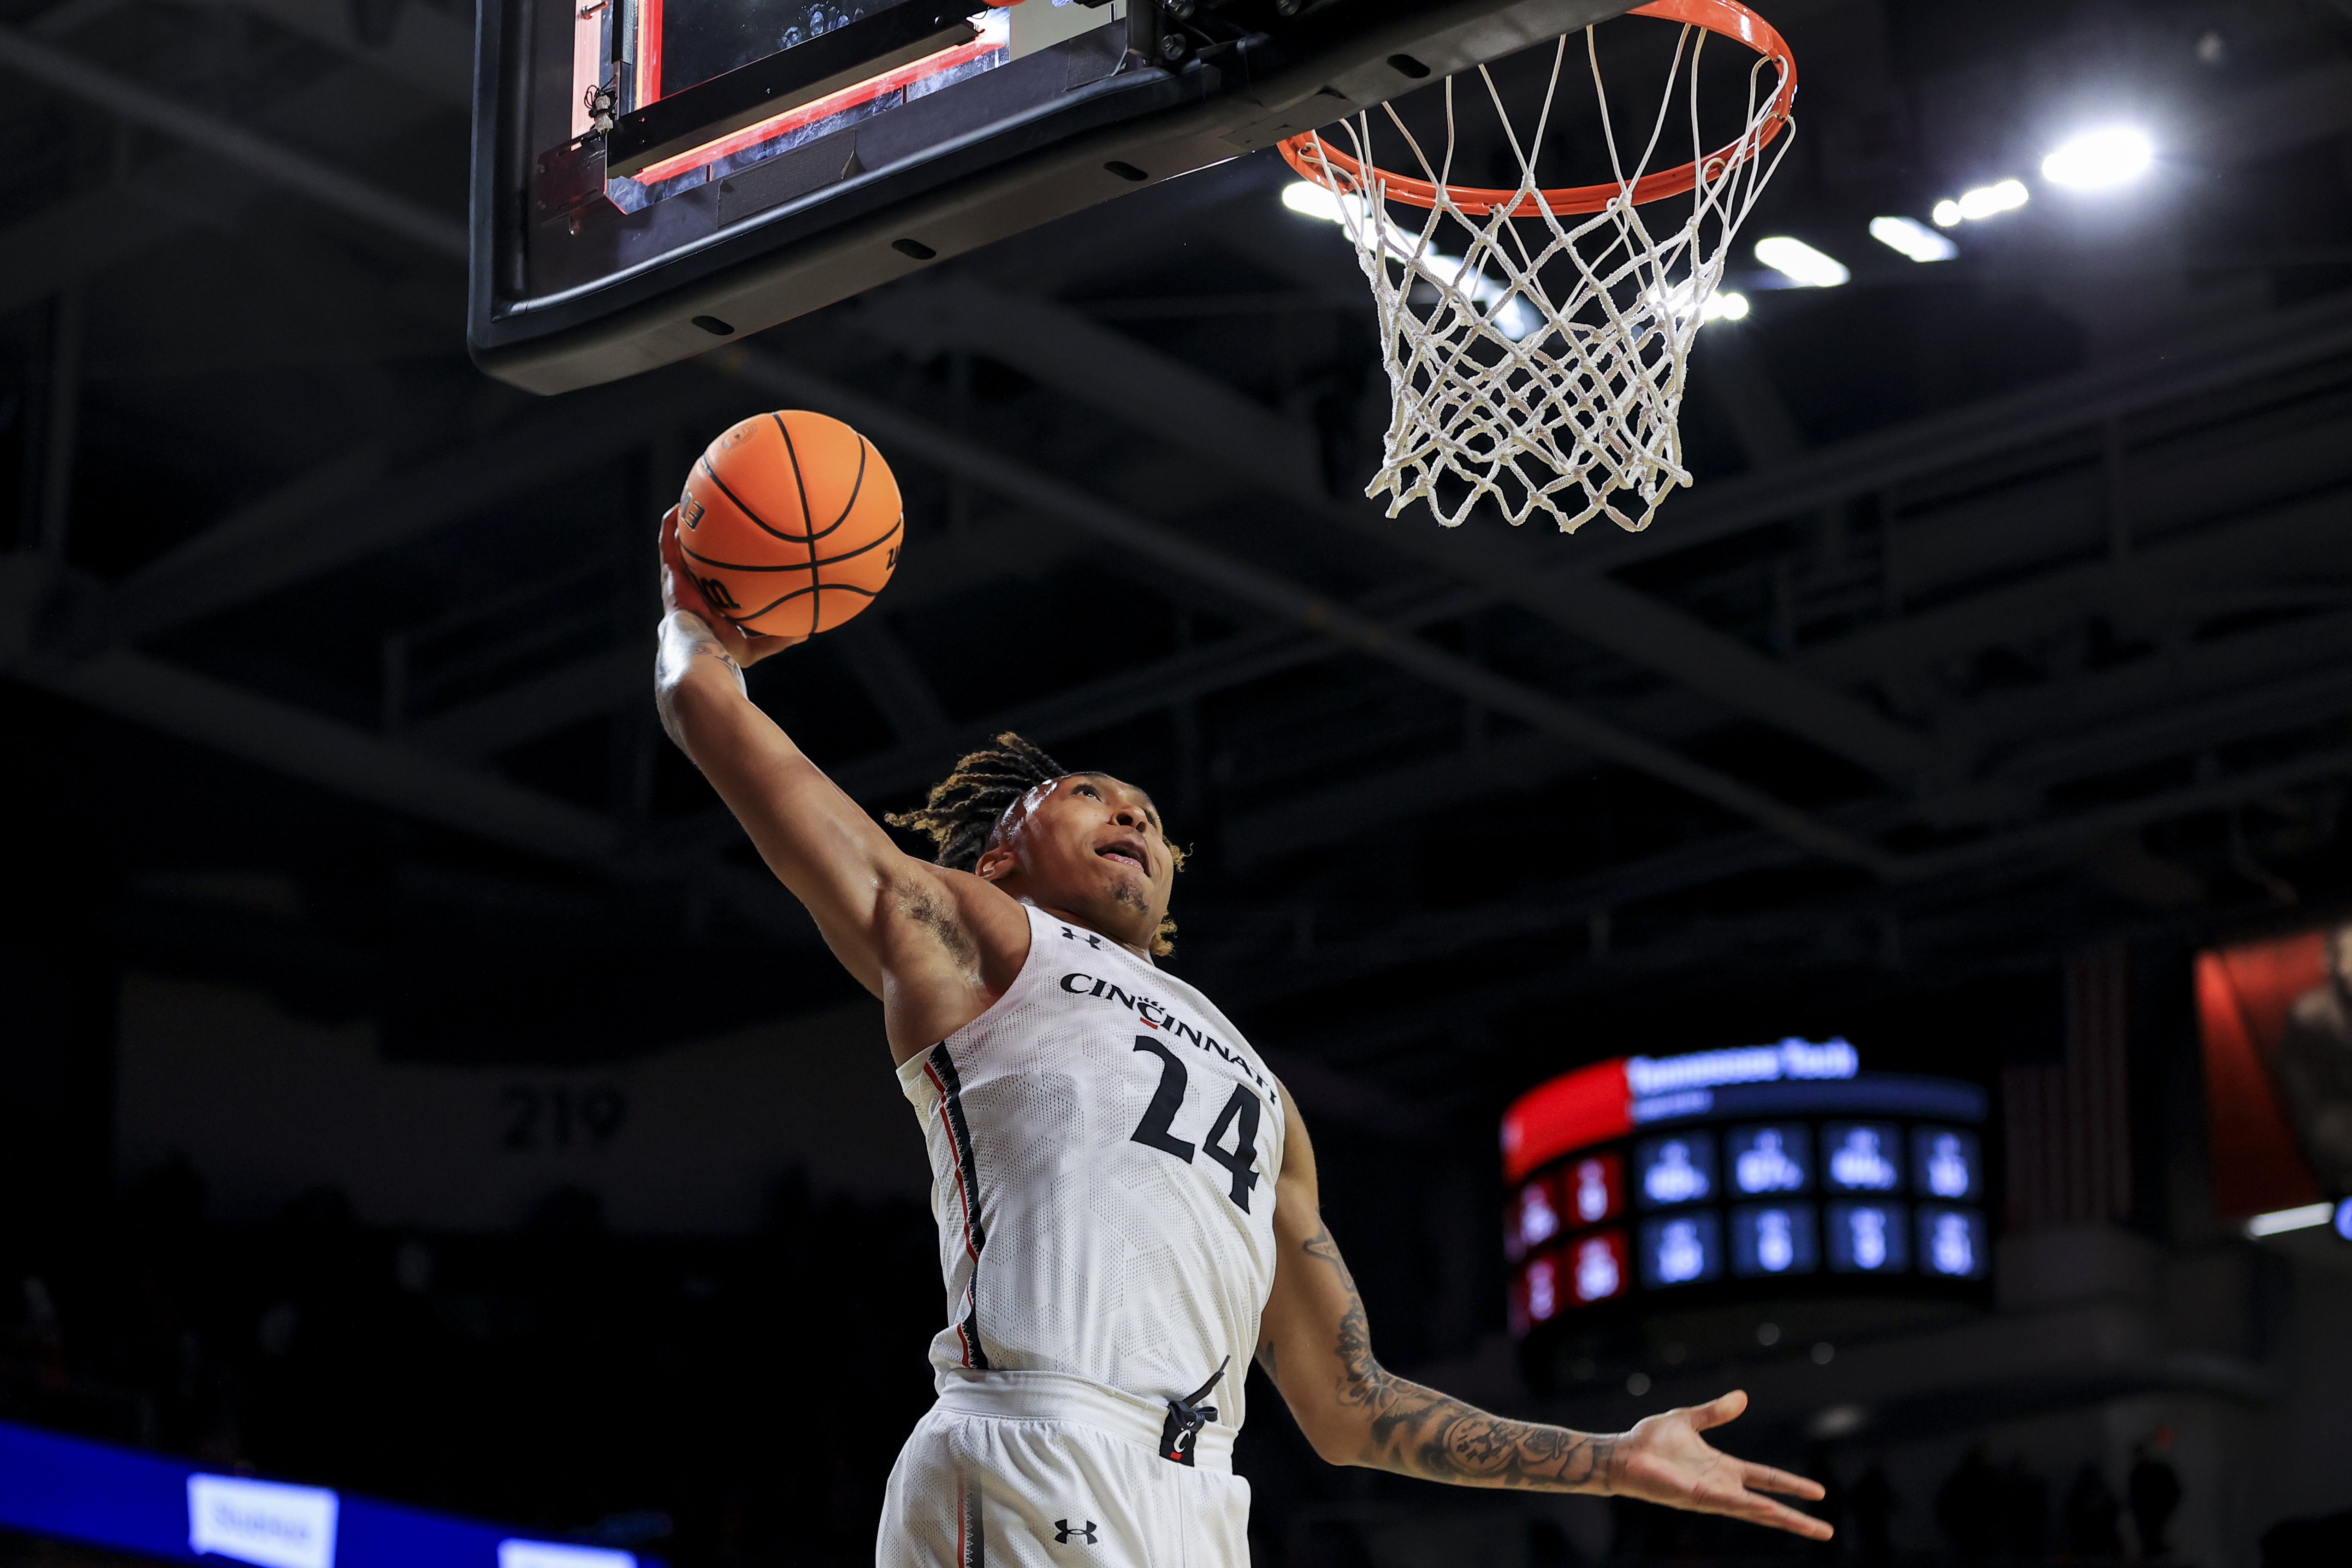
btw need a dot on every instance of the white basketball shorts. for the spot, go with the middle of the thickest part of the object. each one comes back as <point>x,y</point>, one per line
<point>1036,1469</point>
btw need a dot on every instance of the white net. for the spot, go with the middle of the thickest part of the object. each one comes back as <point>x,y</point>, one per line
<point>1542,366</point>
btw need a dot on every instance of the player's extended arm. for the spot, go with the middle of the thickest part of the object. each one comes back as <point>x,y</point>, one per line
<point>923,939</point>
<point>1315,1346</point>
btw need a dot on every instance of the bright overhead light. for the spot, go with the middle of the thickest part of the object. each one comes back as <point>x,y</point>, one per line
<point>1983,201</point>
<point>1519,320</point>
<point>2298,1219</point>
<point>2096,160</point>
<point>2002,197</point>
<point>1724,305</point>
<point>1309,199</point>
<point>1913,238</point>
<point>1800,263</point>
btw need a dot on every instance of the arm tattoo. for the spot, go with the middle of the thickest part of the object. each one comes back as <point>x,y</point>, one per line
<point>1417,1431</point>
<point>673,657</point>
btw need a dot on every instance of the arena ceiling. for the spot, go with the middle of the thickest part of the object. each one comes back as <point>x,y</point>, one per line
<point>2012,609</point>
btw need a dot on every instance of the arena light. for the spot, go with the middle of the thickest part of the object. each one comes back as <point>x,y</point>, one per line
<point>2304,1217</point>
<point>1983,201</point>
<point>1518,320</point>
<point>1800,263</point>
<point>2002,197</point>
<point>1724,305</point>
<point>1309,199</point>
<point>1913,238</point>
<point>2100,160</point>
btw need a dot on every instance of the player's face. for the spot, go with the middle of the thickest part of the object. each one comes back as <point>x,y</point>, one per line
<point>1092,847</point>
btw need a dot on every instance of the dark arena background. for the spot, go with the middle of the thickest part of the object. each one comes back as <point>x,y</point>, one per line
<point>414,1093</point>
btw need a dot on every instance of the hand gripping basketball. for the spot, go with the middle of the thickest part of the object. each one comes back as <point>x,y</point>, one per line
<point>682,592</point>
<point>790,524</point>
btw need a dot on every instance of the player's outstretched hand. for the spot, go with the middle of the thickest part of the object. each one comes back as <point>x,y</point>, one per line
<point>1664,1459</point>
<point>682,592</point>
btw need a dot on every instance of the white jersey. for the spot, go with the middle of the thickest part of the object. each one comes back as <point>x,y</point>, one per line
<point>1104,1147</point>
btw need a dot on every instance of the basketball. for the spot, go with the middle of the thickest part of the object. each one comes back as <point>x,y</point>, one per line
<point>790,523</point>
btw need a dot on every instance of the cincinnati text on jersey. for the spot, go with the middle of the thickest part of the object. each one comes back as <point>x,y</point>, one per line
<point>1081,985</point>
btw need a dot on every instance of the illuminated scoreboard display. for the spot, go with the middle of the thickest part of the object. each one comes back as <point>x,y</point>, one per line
<point>1767,1169</point>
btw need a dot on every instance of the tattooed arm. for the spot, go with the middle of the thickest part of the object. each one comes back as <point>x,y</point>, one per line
<point>936,946</point>
<point>1316,1346</point>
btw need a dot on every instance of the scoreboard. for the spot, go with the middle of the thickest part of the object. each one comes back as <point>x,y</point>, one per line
<point>1765,1170</point>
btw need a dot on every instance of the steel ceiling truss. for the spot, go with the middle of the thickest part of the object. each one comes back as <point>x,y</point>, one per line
<point>2028,629</point>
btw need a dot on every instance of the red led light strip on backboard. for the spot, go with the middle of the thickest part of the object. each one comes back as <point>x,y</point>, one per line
<point>649,52</point>
<point>832,104</point>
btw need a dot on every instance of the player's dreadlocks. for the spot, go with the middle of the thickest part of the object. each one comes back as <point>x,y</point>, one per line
<point>964,808</point>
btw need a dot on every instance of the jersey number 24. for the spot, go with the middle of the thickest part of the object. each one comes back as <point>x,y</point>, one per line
<point>1156,1130</point>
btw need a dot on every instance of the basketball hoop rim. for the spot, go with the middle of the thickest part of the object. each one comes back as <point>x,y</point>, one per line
<point>1339,173</point>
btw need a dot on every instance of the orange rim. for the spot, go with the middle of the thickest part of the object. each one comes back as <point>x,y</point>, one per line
<point>1335,171</point>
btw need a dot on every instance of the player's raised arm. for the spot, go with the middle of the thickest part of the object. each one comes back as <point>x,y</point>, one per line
<point>923,938</point>
<point>1316,1346</point>
<point>818,841</point>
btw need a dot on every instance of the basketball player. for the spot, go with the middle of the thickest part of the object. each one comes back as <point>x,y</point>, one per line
<point>1126,1196</point>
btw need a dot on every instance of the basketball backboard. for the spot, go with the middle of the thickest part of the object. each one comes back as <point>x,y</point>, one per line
<point>655,177</point>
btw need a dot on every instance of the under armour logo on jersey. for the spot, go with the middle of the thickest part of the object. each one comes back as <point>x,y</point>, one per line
<point>1062,1532</point>
<point>1090,939</point>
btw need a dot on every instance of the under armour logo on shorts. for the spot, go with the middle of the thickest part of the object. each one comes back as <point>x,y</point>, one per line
<point>1062,1532</point>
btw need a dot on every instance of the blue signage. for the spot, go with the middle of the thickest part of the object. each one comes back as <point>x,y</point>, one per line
<point>71,1489</point>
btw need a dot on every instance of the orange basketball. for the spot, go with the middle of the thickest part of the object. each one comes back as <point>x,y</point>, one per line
<point>790,523</point>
